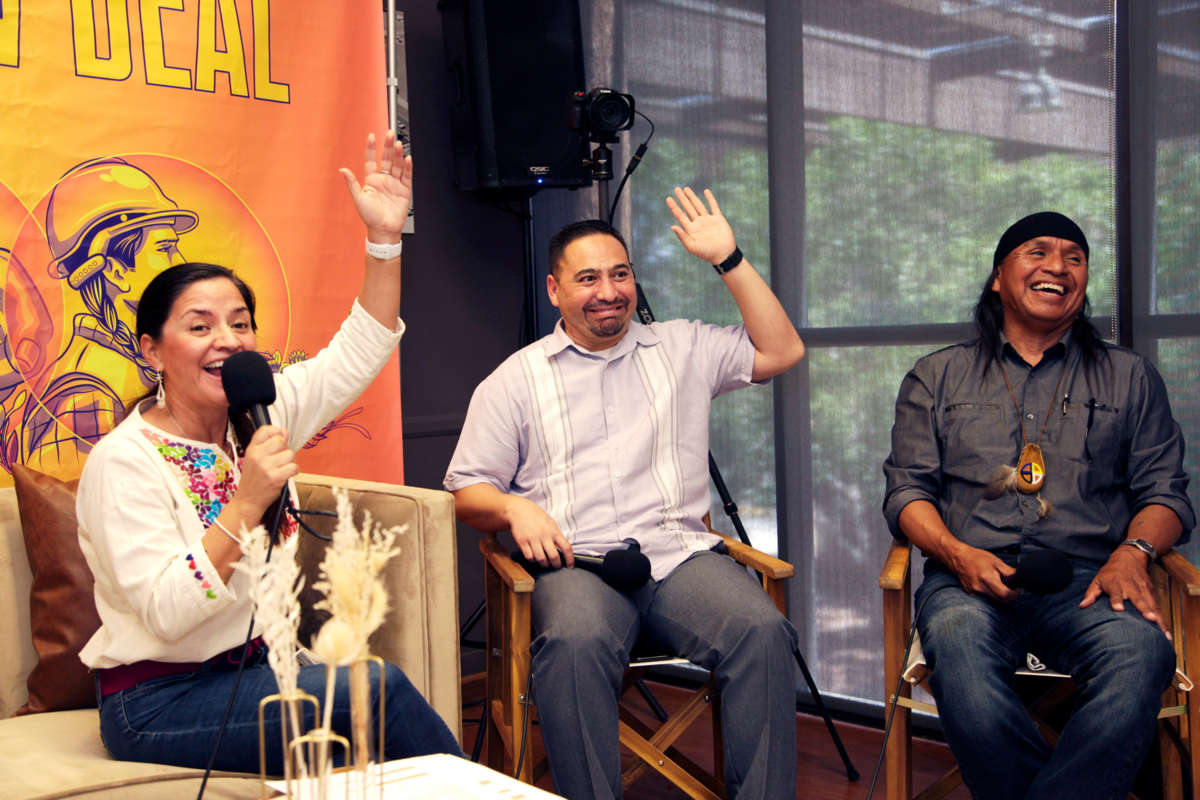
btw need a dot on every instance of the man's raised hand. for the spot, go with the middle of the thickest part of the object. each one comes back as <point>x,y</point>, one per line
<point>703,232</point>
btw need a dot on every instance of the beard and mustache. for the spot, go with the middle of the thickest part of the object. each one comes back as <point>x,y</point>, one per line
<point>609,326</point>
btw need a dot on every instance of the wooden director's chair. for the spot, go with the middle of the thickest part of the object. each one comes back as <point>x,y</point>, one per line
<point>1178,586</point>
<point>508,589</point>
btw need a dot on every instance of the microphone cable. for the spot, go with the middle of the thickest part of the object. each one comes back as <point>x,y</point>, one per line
<point>295,513</point>
<point>524,722</point>
<point>237,678</point>
<point>633,164</point>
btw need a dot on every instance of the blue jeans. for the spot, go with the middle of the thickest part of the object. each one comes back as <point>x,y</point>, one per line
<point>1121,663</point>
<point>708,610</point>
<point>174,719</point>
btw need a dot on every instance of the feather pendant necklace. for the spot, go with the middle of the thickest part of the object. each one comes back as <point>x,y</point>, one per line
<point>1029,475</point>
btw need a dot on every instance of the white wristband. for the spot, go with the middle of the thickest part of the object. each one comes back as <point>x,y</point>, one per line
<point>384,252</point>
<point>225,531</point>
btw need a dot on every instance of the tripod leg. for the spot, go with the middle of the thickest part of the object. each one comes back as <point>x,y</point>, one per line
<point>851,772</point>
<point>651,700</point>
<point>484,721</point>
<point>471,619</point>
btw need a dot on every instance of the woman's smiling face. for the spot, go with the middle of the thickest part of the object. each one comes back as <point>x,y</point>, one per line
<point>208,322</point>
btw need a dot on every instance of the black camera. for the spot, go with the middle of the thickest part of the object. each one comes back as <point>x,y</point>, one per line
<point>600,113</point>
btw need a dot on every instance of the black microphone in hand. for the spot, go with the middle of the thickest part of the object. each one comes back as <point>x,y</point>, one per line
<point>1040,572</point>
<point>249,385</point>
<point>625,570</point>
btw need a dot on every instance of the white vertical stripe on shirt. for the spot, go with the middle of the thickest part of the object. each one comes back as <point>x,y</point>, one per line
<point>551,422</point>
<point>658,379</point>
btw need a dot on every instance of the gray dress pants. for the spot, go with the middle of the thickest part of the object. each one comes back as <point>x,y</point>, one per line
<point>709,610</point>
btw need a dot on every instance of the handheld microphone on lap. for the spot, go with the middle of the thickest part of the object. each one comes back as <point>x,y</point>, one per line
<point>1040,572</point>
<point>625,570</point>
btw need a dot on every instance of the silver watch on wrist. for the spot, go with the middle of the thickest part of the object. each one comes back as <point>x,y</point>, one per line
<point>1144,546</point>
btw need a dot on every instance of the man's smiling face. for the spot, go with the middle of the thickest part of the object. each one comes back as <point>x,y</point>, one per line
<point>594,289</point>
<point>1042,283</point>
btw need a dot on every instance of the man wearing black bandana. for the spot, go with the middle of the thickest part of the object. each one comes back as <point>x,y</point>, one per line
<point>1039,435</point>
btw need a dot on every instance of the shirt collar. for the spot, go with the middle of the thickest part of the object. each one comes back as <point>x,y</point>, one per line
<point>636,335</point>
<point>1051,353</point>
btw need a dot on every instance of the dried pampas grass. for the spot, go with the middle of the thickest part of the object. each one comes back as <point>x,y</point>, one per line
<point>357,602</point>
<point>275,589</point>
<point>349,578</point>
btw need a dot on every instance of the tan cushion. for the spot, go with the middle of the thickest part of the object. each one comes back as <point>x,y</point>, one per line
<point>60,755</point>
<point>61,606</point>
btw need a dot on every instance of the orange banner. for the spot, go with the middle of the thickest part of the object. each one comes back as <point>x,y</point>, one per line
<point>137,133</point>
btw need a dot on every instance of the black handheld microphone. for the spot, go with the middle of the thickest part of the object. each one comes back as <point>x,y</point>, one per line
<point>249,385</point>
<point>1040,572</point>
<point>625,570</point>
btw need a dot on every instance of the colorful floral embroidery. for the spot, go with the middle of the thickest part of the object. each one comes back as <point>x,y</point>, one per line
<point>205,473</point>
<point>209,481</point>
<point>204,584</point>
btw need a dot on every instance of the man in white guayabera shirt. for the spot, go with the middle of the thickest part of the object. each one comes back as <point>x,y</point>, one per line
<point>598,433</point>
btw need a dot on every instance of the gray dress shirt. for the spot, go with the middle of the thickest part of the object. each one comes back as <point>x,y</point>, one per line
<point>1110,445</point>
<point>612,445</point>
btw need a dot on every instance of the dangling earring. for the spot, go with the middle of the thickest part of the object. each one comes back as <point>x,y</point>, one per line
<point>160,397</point>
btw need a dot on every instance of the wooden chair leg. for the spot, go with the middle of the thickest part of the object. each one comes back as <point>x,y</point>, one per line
<point>508,615</point>
<point>898,755</point>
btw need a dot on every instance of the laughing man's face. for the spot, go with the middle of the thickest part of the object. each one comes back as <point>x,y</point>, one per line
<point>1042,284</point>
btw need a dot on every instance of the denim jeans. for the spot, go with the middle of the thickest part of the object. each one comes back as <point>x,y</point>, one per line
<point>1121,663</point>
<point>708,610</point>
<point>174,719</point>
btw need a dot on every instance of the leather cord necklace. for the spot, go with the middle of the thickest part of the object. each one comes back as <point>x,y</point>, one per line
<point>1030,473</point>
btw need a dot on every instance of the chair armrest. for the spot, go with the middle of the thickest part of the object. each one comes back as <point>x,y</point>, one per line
<point>770,566</point>
<point>895,568</point>
<point>513,574</point>
<point>1182,572</point>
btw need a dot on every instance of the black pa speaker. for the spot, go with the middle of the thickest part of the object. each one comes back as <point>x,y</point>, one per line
<point>516,66</point>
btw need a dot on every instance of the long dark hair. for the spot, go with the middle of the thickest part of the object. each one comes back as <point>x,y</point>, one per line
<point>989,322</point>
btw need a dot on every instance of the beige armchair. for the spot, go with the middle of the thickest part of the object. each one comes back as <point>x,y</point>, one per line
<point>59,753</point>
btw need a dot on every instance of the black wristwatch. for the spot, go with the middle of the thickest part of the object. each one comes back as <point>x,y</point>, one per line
<point>734,259</point>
